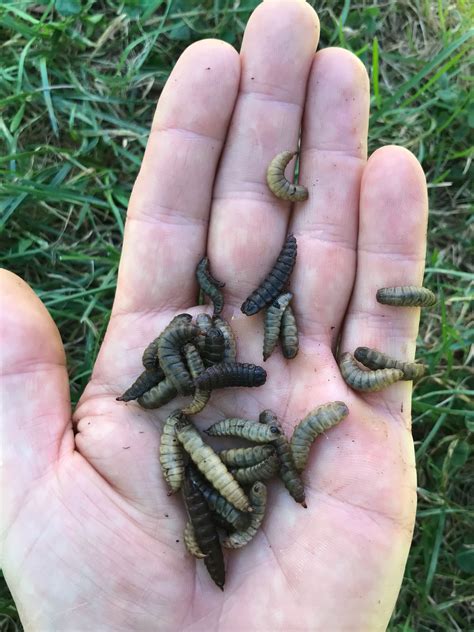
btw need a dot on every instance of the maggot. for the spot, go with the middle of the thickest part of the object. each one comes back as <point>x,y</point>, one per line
<point>289,339</point>
<point>146,380</point>
<point>276,280</point>
<point>245,457</point>
<point>214,347</point>
<point>272,323</point>
<point>367,381</point>
<point>169,354</point>
<point>245,429</point>
<point>287,469</point>
<point>258,498</point>
<point>406,296</point>
<point>171,453</point>
<point>190,542</point>
<point>203,323</point>
<point>262,471</point>
<point>209,285</point>
<point>230,344</point>
<point>231,374</point>
<point>150,355</point>
<point>159,395</point>
<point>278,183</point>
<point>316,422</point>
<point>373,359</point>
<point>196,367</point>
<point>208,462</point>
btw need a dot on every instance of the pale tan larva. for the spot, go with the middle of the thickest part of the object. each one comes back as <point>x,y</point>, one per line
<point>245,429</point>
<point>278,183</point>
<point>373,359</point>
<point>272,323</point>
<point>171,454</point>
<point>189,538</point>
<point>258,498</point>
<point>245,457</point>
<point>196,367</point>
<point>366,381</point>
<point>406,296</point>
<point>289,338</point>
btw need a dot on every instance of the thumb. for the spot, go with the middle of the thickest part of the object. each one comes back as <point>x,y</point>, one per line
<point>35,429</point>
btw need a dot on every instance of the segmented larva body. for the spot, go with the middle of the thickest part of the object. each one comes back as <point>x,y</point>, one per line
<point>196,367</point>
<point>315,423</point>
<point>406,296</point>
<point>190,542</point>
<point>245,457</point>
<point>289,339</point>
<point>278,183</point>
<point>150,355</point>
<point>143,383</point>
<point>230,344</point>
<point>228,374</point>
<point>214,347</point>
<point>272,323</point>
<point>208,462</point>
<point>159,395</point>
<point>203,323</point>
<point>245,429</point>
<point>209,285</point>
<point>366,381</point>
<point>258,498</point>
<point>287,469</point>
<point>169,354</point>
<point>262,471</point>
<point>275,282</point>
<point>205,532</point>
<point>373,359</point>
<point>171,454</point>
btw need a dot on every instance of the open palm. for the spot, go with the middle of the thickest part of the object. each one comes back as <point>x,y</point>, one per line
<point>91,539</point>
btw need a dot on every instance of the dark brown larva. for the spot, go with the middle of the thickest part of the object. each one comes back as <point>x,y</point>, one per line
<point>231,374</point>
<point>406,296</point>
<point>214,347</point>
<point>159,395</point>
<point>245,429</point>
<point>315,423</point>
<point>230,347</point>
<point>169,355</point>
<point>196,367</point>
<point>258,498</point>
<point>189,538</point>
<point>262,471</point>
<point>289,334</point>
<point>245,457</point>
<point>171,454</point>
<point>373,359</point>
<point>209,285</point>
<point>288,472</point>
<point>366,381</point>
<point>205,532</point>
<point>277,182</point>
<point>143,383</point>
<point>275,282</point>
<point>150,355</point>
<point>272,323</point>
<point>203,323</point>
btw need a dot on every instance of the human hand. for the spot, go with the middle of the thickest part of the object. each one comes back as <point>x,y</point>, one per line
<point>90,535</point>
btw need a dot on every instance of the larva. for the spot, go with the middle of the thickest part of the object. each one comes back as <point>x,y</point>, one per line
<point>150,355</point>
<point>258,498</point>
<point>189,538</point>
<point>208,462</point>
<point>289,334</point>
<point>315,423</point>
<point>196,367</point>
<point>406,296</point>
<point>171,454</point>
<point>230,346</point>
<point>276,280</point>
<point>367,381</point>
<point>203,323</point>
<point>262,471</point>
<point>205,532</point>
<point>159,395</point>
<point>287,469</point>
<point>245,429</point>
<point>169,355</point>
<point>214,347</point>
<point>277,182</point>
<point>228,374</point>
<point>143,383</point>
<point>272,323</point>
<point>373,359</point>
<point>244,457</point>
<point>209,285</point>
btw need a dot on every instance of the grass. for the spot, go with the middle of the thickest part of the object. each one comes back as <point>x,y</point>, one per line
<point>78,85</point>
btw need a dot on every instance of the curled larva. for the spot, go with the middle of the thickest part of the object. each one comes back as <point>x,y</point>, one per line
<point>272,323</point>
<point>230,344</point>
<point>277,182</point>
<point>289,339</point>
<point>406,296</point>
<point>209,285</point>
<point>315,423</point>
<point>171,454</point>
<point>258,498</point>
<point>208,462</point>
<point>262,471</point>
<point>189,538</point>
<point>150,355</point>
<point>214,347</point>
<point>196,367</point>
<point>275,282</point>
<point>231,374</point>
<point>244,457</point>
<point>245,429</point>
<point>287,469</point>
<point>373,359</point>
<point>169,354</point>
<point>203,323</point>
<point>159,395</point>
<point>367,381</point>
<point>143,383</point>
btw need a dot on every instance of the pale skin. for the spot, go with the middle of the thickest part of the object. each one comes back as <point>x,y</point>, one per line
<point>89,533</point>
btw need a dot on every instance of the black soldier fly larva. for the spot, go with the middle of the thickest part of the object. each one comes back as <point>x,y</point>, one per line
<point>231,374</point>
<point>406,296</point>
<point>209,285</point>
<point>289,339</point>
<point>278,183</point>
<point>272,323</point>
<point>150,355</point>
<point>245,429</point>
<point>373,359</point>
<point>230,344</point>
<point>159,395</point>
<point>196,367</point>
<point>244,457</point>
<point>171,454</point>
<point>214,347</point>
<point>169,354</point>
<point>276,280</point>
<point>366,381</point>
<point>144,382</point>
<point>190,542</point>
<point>262,471</point>
<point>258,498</point>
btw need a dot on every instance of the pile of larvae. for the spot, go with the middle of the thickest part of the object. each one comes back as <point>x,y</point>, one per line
<point>225,491</point>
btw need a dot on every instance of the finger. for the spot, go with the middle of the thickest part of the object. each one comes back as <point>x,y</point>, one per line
<point>167,219</point>
<point>391,251</point>
<point>36,414</point>
<point>333,155</point>
<point>248,224</point>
